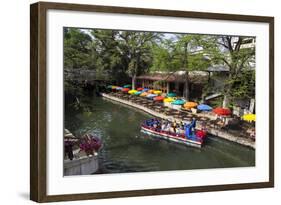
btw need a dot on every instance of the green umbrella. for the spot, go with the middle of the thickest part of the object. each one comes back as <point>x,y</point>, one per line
<point>171,95</point>
<point>127,86</point>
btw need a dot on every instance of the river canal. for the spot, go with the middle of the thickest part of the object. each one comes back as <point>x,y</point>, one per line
<point>126,149</point>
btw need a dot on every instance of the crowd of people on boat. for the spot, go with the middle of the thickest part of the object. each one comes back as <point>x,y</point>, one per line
<point>177,128</point>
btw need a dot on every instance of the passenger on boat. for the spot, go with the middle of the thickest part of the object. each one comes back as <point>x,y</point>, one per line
<point>178,130</point>
<point>174,126</point>
<point>164,125</point>
<point>168,127</point>
<point>182,125</point>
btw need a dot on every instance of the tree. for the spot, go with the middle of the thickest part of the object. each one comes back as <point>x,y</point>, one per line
<point>229,50</point>
<point>136,49</point>
<point>77,49</point>
<point>110,61</point>
<point>183,52</point>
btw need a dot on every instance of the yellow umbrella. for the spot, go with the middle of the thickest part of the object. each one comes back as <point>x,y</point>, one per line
<point>150,91</point>
<point>249,117</point>
<point>157,92</point>
<point>144,94</point>
<point>132,91</point>
<point>189,105</point>
<point>169,99</point>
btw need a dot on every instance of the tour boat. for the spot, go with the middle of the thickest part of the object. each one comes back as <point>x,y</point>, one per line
<point>190,135</point>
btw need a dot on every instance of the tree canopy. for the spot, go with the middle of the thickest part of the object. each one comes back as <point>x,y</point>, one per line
<point>122,55</point>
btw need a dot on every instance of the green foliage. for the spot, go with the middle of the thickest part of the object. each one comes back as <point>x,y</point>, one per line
<point>183,52</point>
<point>77,52</point>
<point>243,85</point>
<point>123,54</point>
<point>229,51</point>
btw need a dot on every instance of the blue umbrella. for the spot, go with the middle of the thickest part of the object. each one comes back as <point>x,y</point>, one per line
<point>145,90</point>
<point>204,107</point>
<point>151,95</point>
<point>119,88</point>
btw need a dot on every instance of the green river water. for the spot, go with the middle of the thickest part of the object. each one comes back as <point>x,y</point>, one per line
<point>126,149</point>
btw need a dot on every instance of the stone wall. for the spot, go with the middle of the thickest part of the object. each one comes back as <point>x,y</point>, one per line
<point>81,166</point>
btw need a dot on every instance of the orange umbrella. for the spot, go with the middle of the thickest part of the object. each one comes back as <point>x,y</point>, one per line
<point>189,105</point>
<point>144,94</point>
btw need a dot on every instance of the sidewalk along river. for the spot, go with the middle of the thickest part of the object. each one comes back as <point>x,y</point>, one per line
<point>126,149</point>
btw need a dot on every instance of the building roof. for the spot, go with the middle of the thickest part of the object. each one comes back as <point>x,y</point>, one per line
<point>178,76</point>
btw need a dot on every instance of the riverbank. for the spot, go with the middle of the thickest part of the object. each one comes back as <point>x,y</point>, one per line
<point>211,128</point>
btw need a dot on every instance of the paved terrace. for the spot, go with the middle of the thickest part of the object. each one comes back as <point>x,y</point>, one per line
<point>235,131</point>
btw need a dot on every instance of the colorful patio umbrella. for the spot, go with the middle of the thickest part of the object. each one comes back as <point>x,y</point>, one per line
<point>150,91</point>
<point>249,117</point>
<point>204,107</point>
<point>171,95</point>
<point>178,102</point>
<point>114,87</point>
<point>169,99</point>
<point>144,94</point>
<point>132,91</point>
<point>139,89</point>
<point>157,92</point>
<point>127,86</point>
<point>151,95</point>
<point>158,98</point>
<point>125,90</point>
<point>119,88</point>
<point>137,93</point>
<point>109,86</point>
<point>189,105</point>
<point>145,89</point>
<point>222,111</point>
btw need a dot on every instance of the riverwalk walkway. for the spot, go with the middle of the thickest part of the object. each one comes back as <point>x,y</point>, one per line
<point>157,109</point>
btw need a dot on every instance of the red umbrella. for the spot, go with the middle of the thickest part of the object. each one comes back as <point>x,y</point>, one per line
<point>158,98</point>
<point>139,89</point>
<point>125,90</point>
<point>222,111</point>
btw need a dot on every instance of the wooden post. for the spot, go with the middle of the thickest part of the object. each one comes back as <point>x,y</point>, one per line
<point>252,105</point>
<point>168,87</point>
